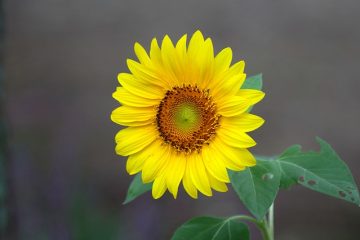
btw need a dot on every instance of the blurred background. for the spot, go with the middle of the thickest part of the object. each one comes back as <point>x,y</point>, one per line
<point>61,59</point>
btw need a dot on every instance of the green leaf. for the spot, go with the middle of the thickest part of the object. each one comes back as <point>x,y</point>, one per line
<point>253,82</point>
<point>292,150</point>
<point>286,181</point>
<point>322,171</point>
<point>257,186</point>
<point>136,188</point>
<point>210,228</point>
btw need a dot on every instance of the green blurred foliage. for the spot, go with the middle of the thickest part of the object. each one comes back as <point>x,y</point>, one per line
<point>90,223</point>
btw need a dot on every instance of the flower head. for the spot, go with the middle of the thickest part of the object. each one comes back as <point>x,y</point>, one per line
<point>185,115</point>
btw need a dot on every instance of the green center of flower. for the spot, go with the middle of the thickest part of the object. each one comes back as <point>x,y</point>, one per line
<point>187,118</point>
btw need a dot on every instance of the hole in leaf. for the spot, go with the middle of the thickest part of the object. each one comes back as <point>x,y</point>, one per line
<point>342,194</point>
<point>267,176</point>
<point>301,179</point>
<point>311,182</point>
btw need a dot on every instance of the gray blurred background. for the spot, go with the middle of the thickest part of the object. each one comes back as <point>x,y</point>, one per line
<point>61,62</point>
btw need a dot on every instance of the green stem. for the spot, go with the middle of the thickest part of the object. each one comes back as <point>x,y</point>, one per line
<point>245,218</point>
<point>261,225</point>
<point>271,221</point>
<point>265,231</point>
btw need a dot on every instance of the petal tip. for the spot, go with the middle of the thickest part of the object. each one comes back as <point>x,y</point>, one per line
<point>137,45</point>
<point>198,36</point>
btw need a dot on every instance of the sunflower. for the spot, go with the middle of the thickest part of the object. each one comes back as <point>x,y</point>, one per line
<point>186,117</point>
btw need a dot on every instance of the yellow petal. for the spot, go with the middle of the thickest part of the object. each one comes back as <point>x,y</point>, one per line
<point>205,63</point>
<point>188,183</point>
<point>180,65</point>
<point>217,185</point>
<point>234,138</point>
<point>181,48</point>
<point>155,52</point>
<point>171,66</point>
<point>229,86</point>
<point>233,106</point>
<point>244,156</point>
<point>133,139</point>
<point>252,96</point>
<point>215,166</point>
<point>133,116</point>
<point>147,76</point>
<point>245,122</point>
<point>135,162</point>
<point>198,174</point>
<point>129,99</point>
<point>235,69</point>
<point>159,187</point>
<point>219,151</point>
<point>229,82</point>
<point>195,56</point>
<point>195,44</point>
<point>223,60</point>
<point>139,88</point>
<point>142,55</point>
<point>156,162</point>
<point>175,172</point>
<point>167,46</point>
<point>240,157</point>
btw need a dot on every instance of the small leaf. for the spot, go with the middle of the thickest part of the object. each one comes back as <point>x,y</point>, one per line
<point>322,171</point>
<point>257,186</point>
<point>136,188</point>
<point>210,228</point>
<point>253,82</point>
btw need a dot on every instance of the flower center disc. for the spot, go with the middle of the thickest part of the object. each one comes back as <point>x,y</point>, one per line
<point>187,118</point>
